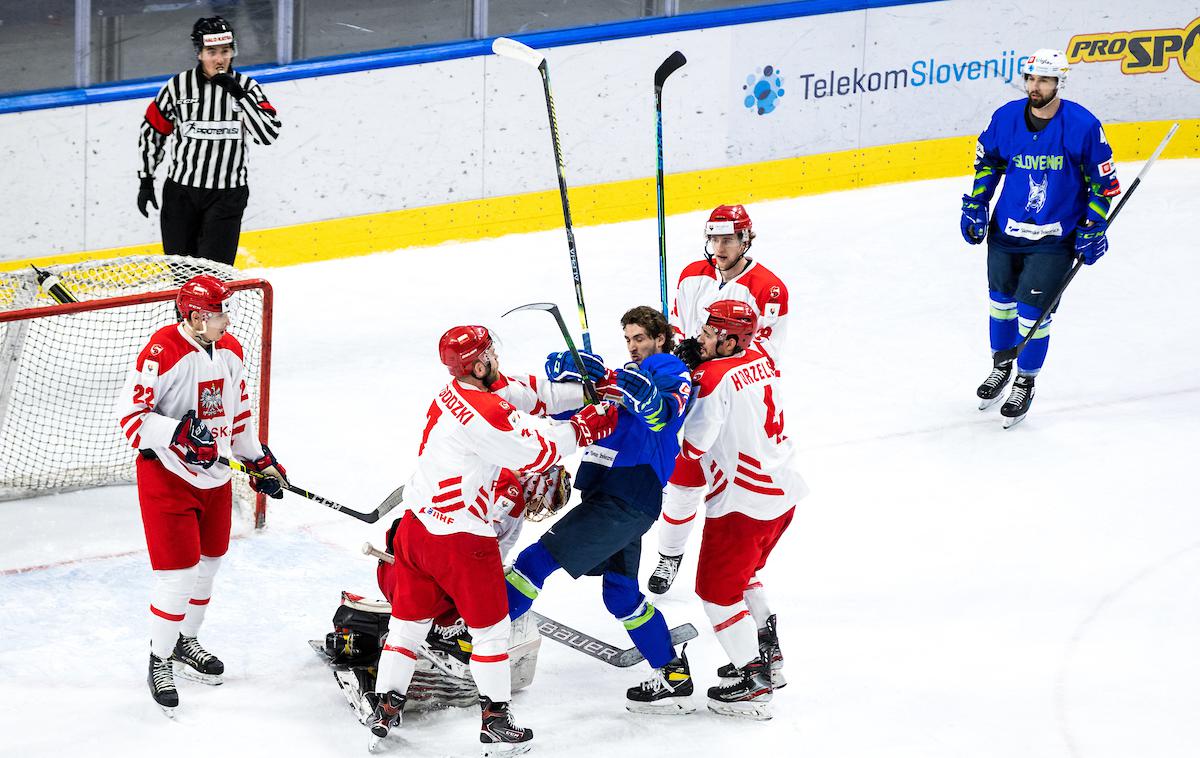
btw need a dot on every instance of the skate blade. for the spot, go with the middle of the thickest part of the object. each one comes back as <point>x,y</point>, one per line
<point>374,743</point>
<point>187,672</point>
<point>984,404</point>
<point>168,711</point>
<point>756,711</point>
<point>504,748</point>
<point>678,706</point>
<point>1009,423</point>
<point>778,680</point>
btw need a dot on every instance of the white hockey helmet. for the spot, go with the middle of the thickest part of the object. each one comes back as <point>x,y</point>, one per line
<point>1046,62</point>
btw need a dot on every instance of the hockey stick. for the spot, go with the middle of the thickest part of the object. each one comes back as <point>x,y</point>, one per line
<point>673,63</point>
<point>391,502</point>
<point>589,389</point>
<point>573,638</point>
<point>510,48</point>
<point>1004,356</point>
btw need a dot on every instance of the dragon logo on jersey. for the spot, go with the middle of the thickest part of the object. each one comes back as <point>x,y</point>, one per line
<point>210,401</point>
<point>1037,194</point>
<point>1148,51</point>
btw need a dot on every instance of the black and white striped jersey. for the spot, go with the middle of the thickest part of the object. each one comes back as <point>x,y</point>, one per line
<point>206,128</point>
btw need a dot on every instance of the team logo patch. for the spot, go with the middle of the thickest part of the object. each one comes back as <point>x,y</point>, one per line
<point>156,349</point>
<point>772,310</point>
<point>210,402</point>
<point>775,292</point>
<point>1106,168</point>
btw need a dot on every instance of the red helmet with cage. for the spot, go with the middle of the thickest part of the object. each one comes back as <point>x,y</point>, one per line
<point>730,219</point>
<point>733,318</point>
<point>461,346</point>
<point>204,293</point>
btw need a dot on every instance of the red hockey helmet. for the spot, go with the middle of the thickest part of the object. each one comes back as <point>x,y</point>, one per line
<point>461,346</point>
<point>733,318</point>
<point>730,219</point>
<point>204,293</point>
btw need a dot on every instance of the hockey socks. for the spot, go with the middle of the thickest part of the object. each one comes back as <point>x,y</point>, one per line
<point>736,631</point>
<point>527,577</point>
<point>200,595</point>
<point>646,625</point>
<point>1002,321</point>
<point>1030,360</point>
<point>168,606</point>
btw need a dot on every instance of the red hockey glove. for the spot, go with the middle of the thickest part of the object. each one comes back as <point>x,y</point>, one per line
<point>272,486</point>
<point>197,441</point>
<point>594,422</point>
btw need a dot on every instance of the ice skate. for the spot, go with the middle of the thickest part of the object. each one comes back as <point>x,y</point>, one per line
<point>664,573</point>
<point>499,733</point>
<point>748,696</point>
<point>989,392</point>
<point>385,715</point>
<point>162,685</point>
<point>668,691</point>
<point>453,640</point>
<point>1018,402</point>
<point>768,649</point>
<point>193,662</point>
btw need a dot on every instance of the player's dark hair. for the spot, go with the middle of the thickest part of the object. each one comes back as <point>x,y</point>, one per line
<point>653,322</point>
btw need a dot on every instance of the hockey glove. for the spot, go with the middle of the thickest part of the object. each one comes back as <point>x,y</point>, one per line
<point>688,351</point>
<point>197,441</point>
<point>146,195</point>
<point>974,221</point>
<point>594,422</point>
<point>1091,242</point>
<point>639,395</point>
<point>229,84</point>
<point>272,486</point>
<point>560,367</point>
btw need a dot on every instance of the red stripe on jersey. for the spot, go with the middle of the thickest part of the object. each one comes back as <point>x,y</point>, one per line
<point>670,520</point>
<point>165,615</point>
<point>135,413</point>
<point>489,658</point>
<point>133,428</point>
<point>731,621</point>
<point>238,430</point>
<point>137,441</point>
<point>157,120</point>
<point>194,601</point>
<point>747,459</point>
<point>720,488</point>
<point>476,513</point>
<point>450,508</point>
<point>447,482</point>
<point>401,651</point>
<point>755,488</point>
<point>241,416</point>
<point>755,475</point>
<point>447,496</point>
<point>691,451</point>
<point>267,107</point>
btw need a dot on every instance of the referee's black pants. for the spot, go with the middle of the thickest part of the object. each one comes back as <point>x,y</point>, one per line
<point>202,223</point>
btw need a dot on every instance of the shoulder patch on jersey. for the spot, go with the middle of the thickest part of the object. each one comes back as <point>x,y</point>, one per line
<point>698,268</point>
<point>165,348</point>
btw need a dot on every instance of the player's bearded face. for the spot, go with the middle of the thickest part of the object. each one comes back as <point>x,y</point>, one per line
<point>641,345</point>
<point>708,340</point>
<point>1041,90</point>
<point>490,366</point>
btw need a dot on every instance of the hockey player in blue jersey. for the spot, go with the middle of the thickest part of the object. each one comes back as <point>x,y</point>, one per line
<point>622,479</point>
<point>1053,207</point>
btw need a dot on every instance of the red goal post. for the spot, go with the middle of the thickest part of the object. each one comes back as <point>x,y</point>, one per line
<point>62,368</point>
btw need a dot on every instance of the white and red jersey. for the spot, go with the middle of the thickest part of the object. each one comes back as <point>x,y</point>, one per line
<point>471,435</point>
<point>735,430</point>
<point>700,286</point>
<point>173,374</point>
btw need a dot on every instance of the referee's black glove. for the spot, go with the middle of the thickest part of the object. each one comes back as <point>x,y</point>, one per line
<point>146,195</point>
<point>229,84</point>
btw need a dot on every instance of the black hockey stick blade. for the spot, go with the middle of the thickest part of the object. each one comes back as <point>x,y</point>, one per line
<point>673,63</point>
<point>369,518</point>
<point>589,389</point>
<point>598,649</point>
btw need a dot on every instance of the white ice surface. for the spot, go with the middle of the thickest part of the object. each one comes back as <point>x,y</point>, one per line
<point>949,589</point>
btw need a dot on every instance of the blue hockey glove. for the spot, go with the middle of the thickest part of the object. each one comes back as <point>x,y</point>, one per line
<point>639,395</point>
<point>1090,242</point>
<point>560,367</point>
<point>974,221</point>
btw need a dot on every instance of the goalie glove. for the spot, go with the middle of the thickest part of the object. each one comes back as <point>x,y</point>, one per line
<point>272,486</point>
<point>199,447</point>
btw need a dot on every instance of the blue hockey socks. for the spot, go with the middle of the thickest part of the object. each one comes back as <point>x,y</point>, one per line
<point>646,625</point>
<point>1002,321</point>
<point>526,578</point>
<point>1030,360</point>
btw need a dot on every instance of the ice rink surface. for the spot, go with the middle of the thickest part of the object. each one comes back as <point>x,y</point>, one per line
<point>949,589</point>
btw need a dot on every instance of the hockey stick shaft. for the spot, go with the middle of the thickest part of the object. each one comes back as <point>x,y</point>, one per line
<point>589,389</point>
<point>1004,356</point>
<point>669,66</point>
<point>369,518</point>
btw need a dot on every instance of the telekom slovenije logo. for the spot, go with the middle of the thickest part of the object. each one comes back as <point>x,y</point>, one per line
<point>763,88</point>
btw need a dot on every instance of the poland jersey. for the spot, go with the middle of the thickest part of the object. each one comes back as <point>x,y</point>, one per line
<point>471,435</point>
<point>735,430</point>
<point>700,286</point>
<point>174,375</point>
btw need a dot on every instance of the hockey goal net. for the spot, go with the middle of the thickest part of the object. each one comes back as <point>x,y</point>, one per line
<point>62,367</point>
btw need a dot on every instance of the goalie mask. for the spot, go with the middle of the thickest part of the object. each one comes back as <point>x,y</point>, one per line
<point>546,493</point>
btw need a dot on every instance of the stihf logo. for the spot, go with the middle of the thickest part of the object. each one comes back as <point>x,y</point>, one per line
<point>1143,52</point>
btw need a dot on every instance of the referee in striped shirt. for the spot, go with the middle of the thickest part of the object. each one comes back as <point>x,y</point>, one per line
<point>204,116</point>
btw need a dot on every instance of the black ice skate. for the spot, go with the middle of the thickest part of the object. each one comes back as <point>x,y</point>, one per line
<point>1018,402</point>
<point>386,712</point>
<point>768,649</point>
<point>989,392</point>
<point>668,691</point>
<point>499,733</point>
<point>194,662</point>
<point>664,573</point>
<point>453,640</point>
<point>162,685</point>
<point>748,696</point>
